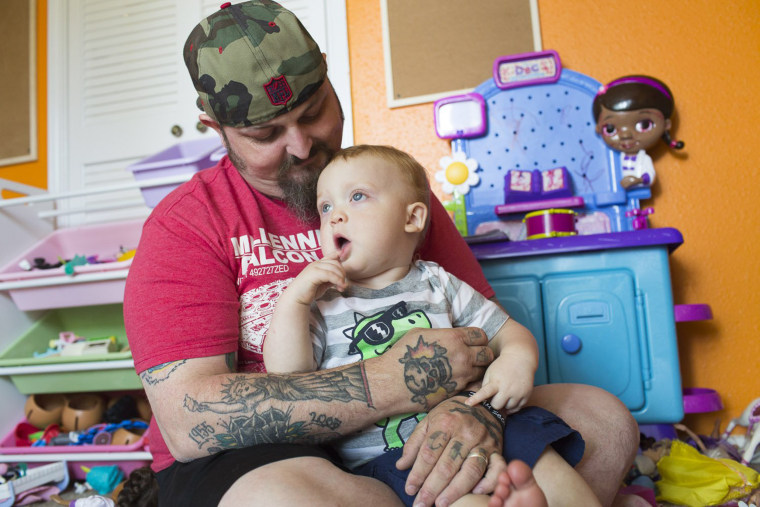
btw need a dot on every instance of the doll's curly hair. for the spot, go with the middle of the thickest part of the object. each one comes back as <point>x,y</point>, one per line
<point>140,489</point>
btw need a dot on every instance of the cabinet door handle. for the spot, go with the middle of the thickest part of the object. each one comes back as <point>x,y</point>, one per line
<point>571,343</point>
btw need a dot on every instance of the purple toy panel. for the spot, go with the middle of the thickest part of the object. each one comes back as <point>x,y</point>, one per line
<point>541,144</point>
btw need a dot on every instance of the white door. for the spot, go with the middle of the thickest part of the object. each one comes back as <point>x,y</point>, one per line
<point>119,91</point>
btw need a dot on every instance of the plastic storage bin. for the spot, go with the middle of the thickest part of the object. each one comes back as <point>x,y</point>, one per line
<point>185,158</point>
<point>90,284</point>
<point>8,446</point>
<point>56,374</point>
<point>127,457</point>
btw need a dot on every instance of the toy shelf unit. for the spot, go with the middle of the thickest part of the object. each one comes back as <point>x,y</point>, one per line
<point>33,367</point>
<point>89,283</point>
<point>566,248</point>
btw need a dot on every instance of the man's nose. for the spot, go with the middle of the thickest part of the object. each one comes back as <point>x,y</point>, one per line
<point>299,143</point>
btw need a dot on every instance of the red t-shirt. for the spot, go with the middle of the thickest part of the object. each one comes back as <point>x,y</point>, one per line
<point>213,259</point>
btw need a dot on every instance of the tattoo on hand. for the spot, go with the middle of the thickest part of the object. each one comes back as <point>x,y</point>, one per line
<point>483,416</point>
<point>427,372</point>
<point>456,451</point>
<point>156,374</point>
<point>437,440</point>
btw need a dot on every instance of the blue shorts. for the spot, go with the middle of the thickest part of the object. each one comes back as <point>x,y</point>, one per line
<point>526,436</point>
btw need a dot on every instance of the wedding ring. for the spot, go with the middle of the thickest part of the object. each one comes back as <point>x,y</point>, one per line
<point>480,454</point>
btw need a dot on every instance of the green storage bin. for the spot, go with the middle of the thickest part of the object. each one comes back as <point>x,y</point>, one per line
<point>89,372</point>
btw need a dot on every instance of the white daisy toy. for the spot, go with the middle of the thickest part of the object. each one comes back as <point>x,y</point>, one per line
<point>457,173</point>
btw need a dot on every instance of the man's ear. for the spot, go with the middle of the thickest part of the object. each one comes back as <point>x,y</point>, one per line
<point>207,121</point>
<point>416,215</point>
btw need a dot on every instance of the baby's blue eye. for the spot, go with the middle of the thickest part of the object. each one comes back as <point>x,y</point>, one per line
<point>325,208</point>
<point>357,196</point>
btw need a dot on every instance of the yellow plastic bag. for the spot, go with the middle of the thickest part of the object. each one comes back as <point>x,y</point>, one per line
<point>693,479</point>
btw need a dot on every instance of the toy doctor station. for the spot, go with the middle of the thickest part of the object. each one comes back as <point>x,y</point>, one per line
<point>546,177</point>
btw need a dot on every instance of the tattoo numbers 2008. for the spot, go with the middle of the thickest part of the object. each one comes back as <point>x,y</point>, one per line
<point>325,421</point>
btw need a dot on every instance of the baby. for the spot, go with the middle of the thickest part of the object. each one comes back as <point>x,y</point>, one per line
<point>367,291</point>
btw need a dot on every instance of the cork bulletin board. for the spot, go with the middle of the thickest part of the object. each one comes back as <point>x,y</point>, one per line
<point>436,48</point>
<point>18,134</point>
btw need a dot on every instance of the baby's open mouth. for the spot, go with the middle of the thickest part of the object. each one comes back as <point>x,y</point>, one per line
<point>342,246</point>
<point>340,242</point>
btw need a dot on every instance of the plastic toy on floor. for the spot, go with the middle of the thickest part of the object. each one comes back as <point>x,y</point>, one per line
<point>693,479</point>
<point>632,114</point>
<point>750,419</point>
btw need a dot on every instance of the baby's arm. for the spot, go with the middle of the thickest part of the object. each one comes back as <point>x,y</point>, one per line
<point>508,381</point>
<point>288,347</point>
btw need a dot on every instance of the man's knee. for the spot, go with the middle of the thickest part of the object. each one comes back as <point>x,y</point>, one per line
<point>304,481</point>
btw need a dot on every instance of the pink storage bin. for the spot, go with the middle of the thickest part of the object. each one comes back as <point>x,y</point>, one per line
<point>187,157</point>
<point>90,284</point>
<point>8,446</point>
<point>79,456</point>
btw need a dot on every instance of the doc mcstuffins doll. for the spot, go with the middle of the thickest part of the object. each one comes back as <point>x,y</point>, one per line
<point>632,113</point>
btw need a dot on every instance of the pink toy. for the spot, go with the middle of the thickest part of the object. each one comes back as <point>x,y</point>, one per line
<point>550,223</point>
<point>640,217</point>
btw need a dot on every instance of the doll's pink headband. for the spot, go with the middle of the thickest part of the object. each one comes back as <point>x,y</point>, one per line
<point>635,79</point>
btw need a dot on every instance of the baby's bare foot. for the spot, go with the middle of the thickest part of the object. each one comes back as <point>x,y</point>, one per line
<point>517,488</point>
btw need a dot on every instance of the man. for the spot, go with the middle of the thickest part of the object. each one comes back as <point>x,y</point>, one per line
<point>215,255</point>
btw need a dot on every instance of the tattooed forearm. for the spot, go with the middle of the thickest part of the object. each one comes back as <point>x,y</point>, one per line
<point>253,419</point>
<point>325,420</point>
<point>202,434</point>
<point>270,426</point>
<point>427,373</point>
<point>156,374</point>
<point>486,419</point>
<point>243,394</point>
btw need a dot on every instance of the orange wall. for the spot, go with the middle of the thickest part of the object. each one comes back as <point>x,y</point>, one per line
<point>707,52</point>
<point>35,173</point>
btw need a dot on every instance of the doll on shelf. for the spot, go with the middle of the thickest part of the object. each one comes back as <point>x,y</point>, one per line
<point>632,113</point>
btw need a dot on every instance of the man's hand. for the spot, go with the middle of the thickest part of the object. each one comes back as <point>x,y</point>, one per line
<point>451,450</point>
<point>437,363</point>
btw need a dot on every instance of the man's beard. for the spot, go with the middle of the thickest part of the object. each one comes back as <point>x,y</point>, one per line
<point>297,182</point>
<point>299,187</point>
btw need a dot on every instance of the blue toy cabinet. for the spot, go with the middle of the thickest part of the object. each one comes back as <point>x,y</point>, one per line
<point>601,310</point>
<point>597,299</point>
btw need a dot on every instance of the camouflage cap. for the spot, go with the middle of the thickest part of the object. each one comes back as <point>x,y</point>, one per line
<point>251,62</point>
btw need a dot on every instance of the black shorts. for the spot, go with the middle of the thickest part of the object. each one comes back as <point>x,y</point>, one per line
<point>204,481</point>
